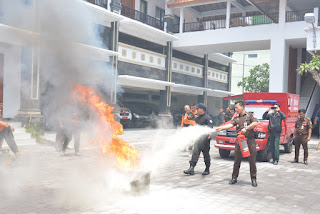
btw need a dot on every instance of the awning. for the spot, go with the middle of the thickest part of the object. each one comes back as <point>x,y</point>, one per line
<point>151,84</point>
<point>221,59</point>
<point>21,37</point>
<point>146,32</point>
<point>143,83</point>
<point>181,3</point>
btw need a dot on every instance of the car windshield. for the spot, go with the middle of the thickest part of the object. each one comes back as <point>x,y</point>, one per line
<point>257,110</point>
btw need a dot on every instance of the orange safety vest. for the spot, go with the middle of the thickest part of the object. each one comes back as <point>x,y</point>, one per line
<point>185,120</point>
<point>3,125</point>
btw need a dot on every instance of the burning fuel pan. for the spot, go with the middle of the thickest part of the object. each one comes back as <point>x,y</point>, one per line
<point>141,182</point>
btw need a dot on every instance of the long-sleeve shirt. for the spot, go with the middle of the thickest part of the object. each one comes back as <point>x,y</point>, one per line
<point>275,120</point>
<point>3,125</point>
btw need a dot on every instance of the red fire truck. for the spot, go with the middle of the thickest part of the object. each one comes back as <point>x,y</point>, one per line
<point>258,103</point>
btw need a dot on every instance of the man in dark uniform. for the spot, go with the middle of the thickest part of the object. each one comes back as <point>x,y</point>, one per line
<point>245,124</point>
<point>228,115</point>
<point>275,129</point>
<point>220,117</point>
<point>302,134</point>
<point>203,143</point>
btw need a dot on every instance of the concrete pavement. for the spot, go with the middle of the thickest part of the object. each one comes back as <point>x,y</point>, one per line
<point>42,181</point>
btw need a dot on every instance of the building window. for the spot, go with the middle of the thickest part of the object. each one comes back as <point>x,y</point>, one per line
<point>176,20</point>
<point>144,7</point>
<point>159,13</point>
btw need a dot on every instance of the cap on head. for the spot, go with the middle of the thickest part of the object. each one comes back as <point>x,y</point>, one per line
<point>201,105</point>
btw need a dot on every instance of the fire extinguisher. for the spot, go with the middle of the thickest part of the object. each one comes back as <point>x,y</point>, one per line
<point>242,140</point>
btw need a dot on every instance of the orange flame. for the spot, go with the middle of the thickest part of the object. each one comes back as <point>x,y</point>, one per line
<point>127,156</point>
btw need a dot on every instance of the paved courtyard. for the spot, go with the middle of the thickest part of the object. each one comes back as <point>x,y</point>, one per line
<point>42,181</point>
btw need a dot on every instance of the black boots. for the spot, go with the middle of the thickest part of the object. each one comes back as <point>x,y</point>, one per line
<point>233,181</point>
<point>206,171</point>
<point>254,183</point>
<point>190,171</point>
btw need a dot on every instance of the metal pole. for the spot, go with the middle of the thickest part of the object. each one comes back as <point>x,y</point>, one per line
<point>244,57</point>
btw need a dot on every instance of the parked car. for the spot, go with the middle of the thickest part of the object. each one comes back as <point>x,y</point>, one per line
<point>125,115</point>
<point>143,114</point>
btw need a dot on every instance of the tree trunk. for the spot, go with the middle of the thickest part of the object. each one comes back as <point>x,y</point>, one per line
<point>315,76</point>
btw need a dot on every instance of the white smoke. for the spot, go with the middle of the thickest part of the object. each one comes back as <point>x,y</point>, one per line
<point>171,145</point>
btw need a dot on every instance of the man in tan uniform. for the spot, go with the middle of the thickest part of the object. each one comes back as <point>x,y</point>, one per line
<point>302,134</point>
<point>245,124</point>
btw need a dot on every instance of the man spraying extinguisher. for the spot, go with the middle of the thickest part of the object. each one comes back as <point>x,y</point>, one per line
<point>245,124</point>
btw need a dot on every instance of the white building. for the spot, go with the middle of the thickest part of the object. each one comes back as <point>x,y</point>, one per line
<point>245,61</point>
<point>243,25</point>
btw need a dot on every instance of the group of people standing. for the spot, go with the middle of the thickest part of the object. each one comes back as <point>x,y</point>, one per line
<point>245,122</point>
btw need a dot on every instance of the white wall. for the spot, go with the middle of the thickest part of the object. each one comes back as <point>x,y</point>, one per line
<point>12,80</point>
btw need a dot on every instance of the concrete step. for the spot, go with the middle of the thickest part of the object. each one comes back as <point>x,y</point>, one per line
<point>22,136</point>
<point>13,124</point>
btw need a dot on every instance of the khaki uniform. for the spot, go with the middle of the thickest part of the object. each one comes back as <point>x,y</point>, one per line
<point>302,127</point>
<point>239,122</point>
<point>227,117</point>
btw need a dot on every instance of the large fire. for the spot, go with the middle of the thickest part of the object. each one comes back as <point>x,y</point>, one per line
<point>127,156</point>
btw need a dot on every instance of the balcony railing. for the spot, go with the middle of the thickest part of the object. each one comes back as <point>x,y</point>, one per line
<point>141,17</point>
<point>254,20</point>
<point>298,15</point>
<point>101,3</point>
<point>200,26</point>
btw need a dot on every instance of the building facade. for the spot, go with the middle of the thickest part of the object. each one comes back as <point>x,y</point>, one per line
<point>249,25</point>
<point>137,48</point>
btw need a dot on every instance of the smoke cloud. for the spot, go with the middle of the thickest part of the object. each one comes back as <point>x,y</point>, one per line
<point>60,26</point>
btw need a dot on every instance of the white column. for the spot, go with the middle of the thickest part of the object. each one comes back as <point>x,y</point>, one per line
<point>279,54</point>
<point>298,79</point>
<point>316,15</point>
<point>181,20</point>
<point>282,12</point>
<point>228,14</point>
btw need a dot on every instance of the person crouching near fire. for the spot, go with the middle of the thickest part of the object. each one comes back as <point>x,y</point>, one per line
<point>203,143</point>
<point>6,132</point>
<point>245,124</point>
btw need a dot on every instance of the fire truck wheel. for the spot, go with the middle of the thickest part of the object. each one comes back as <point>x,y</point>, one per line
<point>288,146</point>
<point>224,153</point>
<point>265,155</point>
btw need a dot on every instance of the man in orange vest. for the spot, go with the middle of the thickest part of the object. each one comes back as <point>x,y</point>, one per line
<point>6,133</point>
<point>188,118</point>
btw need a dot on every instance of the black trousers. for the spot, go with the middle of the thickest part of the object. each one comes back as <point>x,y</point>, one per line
<point>7,134</point>
<point>201,145</point>
<point>64,137</point>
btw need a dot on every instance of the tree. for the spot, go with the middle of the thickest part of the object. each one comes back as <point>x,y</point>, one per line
<point>258,80</point>
<point>312,67</point>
